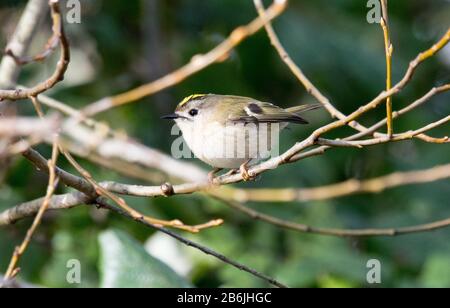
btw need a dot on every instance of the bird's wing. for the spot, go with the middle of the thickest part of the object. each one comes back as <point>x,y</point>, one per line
<point>261,112</point>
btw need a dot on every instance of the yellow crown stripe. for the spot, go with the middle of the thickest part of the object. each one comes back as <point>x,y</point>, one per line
<point>190,97</point>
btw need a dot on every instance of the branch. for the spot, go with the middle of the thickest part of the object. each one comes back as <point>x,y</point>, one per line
<point>21,39</point>
<point>335,232</point>
<point>49,48</point>
<point>71,200</point>
<point>196,64</point>
<point>61,67</point>
<point>384,139</point>
<point>372,130</point>
<point>32,131</point>
<point>86,195</point>
<point>335,190</point>
<point>388,49</point>
<point>349,187</point>
<point>94,190</point>
<point>30,208</point>
<point>25,210</point>
<point>205,250</point>
<point>298,73</point>
<point>13,270</point>
<point>28,126</point>
<point>327,104</point>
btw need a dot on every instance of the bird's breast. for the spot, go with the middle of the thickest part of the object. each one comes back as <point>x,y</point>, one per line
<point>229,145</point>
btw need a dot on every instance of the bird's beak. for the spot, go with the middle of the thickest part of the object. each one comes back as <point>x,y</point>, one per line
<point>171,116</point>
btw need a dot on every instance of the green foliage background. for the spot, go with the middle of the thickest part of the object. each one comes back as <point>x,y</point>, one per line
<point>115,49</point>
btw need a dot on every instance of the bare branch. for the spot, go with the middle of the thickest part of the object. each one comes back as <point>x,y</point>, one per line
<point>51,45</point>
<point>30,208</point>
<point>61,67</point>
<point>132,212</point>
<point>33,14</point>
<point>372,130</point>
<point>196,64</point>
<point>349,187</point>
<point>12,270</point>
<point>335,232</point>
<point>388,49</point>
<point>298,73</point>
<point>204,249</point>
<point>15,127</point>
<point>87,196</point>
<point>25,210</point>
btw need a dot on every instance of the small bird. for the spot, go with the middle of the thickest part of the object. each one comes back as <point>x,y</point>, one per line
<point>227,131</point>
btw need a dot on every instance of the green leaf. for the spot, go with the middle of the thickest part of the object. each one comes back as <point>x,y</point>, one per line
<point>124,263</point>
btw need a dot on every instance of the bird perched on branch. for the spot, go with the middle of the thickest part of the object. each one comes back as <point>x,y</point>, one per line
<point>227,131</point>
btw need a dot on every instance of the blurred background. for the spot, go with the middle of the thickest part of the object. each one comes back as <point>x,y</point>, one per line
<point>122,44</point>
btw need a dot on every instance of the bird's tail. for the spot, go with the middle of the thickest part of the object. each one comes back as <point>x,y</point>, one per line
<point>303,108</point>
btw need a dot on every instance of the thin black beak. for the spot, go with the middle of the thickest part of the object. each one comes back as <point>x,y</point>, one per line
<point>171,116</point>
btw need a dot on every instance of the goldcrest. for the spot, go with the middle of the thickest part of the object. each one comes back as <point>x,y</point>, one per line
<point>227,131</point>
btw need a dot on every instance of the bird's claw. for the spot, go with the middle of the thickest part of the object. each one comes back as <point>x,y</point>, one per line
<point>245,174</point>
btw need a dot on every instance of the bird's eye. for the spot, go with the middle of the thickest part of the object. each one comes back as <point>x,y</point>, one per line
<point>193,112</point>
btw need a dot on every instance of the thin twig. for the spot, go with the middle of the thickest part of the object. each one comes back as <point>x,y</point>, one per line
<point>132,212</point>
<point>418,102</point>
<point>20,41</point>
<point>197,63</point>
<point>30,208</point>
<point>202,248</point>
<point>12,270</point>
<point>50,46</point>
<point>334,232</point>
<point>28,126</point>
<point>61,67</point>
<point>317,94</point>
<point>349,187</point>
<point>388,49</point>
<point>372,130</point>
<point>298,73</point>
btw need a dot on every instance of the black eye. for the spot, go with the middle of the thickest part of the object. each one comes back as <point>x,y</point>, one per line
<point>193,112</point>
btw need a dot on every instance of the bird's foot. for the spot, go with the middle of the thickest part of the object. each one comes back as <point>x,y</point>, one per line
<point>244,172</point>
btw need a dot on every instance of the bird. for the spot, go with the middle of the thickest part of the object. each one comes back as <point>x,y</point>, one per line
<point>230,131</point>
